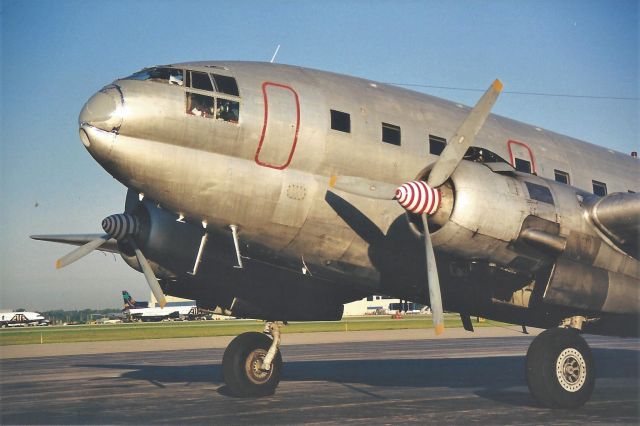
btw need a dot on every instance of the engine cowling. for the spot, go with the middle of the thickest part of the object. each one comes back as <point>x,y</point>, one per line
<point>523,223</point>
<point>171,246</point>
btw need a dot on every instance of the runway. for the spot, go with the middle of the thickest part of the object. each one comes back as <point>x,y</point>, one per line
<point>350,380</point>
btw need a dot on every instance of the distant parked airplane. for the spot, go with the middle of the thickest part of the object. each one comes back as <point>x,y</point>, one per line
<point>172,310</point>
<point>21,319</point>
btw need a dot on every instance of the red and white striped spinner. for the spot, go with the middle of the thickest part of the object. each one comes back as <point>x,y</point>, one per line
<point>418,197</point>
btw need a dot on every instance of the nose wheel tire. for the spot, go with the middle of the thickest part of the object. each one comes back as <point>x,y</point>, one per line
<point>242,366</point>
<point>559,369</point>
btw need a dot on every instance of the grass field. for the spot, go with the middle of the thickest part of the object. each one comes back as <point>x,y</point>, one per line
<point>165,330</point>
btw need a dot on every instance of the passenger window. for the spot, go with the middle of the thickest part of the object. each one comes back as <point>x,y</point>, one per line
<point>391,134</point>
<point>340,121</point>
<point>200,105</point>
<point>523,165</point>
<point>228,110</point>
<point>200,80</point>
<point>226,84</point>
<point>562,177</point>
<point>160,75</point>
<point>599,188</point>
<point>436,144</point>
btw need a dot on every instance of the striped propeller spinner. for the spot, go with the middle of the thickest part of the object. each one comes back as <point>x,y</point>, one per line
<point>418,197</point>
<point>120,225</point>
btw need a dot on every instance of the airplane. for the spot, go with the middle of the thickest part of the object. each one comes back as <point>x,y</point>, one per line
<point>280,193</point>
<point>140,311</point>
<point>21,319</point>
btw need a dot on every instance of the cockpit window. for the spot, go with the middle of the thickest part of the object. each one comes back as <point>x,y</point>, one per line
<point>228,110</point>
<point>226,84</point>
<point>210,107</point>
<point>200,105</point>
<point>160,75</point>
<point>200,80</point>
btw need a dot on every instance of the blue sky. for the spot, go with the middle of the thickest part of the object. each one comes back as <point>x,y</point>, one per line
<point>56,54</point>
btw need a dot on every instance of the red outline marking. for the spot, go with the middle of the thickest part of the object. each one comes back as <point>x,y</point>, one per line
<point>264,126</point>
<point>531,156</point>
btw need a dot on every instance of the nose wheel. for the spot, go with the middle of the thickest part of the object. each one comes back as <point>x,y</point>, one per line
<point>559,369</point>
<point>252,363</point>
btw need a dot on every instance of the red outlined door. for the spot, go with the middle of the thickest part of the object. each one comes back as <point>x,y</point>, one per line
<point>521,157</point>
<point>281,125</point>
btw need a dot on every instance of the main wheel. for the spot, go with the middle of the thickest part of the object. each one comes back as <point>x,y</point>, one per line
<point>559,369</point>
<point>242,366</point>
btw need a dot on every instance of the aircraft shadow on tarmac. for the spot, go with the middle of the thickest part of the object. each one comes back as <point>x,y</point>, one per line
<point>491,376</point>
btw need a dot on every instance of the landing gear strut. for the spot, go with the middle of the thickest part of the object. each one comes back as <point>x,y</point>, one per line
<point>252,363</point>
<point>559,369</point>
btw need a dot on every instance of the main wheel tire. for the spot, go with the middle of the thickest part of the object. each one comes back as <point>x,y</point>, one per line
<point>242,362</point>
<point>559,369</point>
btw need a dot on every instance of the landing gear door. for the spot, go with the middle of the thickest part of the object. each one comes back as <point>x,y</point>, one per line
<point>281,125</point>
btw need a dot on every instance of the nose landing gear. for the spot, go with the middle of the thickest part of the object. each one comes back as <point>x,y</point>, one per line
<point>252,363</point>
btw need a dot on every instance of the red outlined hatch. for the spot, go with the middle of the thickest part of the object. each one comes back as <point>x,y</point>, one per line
<point>281,125</point>
<point>519,155</point>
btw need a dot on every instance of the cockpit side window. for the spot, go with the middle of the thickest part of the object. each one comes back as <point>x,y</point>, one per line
<point>228,110</point>
<point>226,84</point>
<point>200,105</point>
<point>200,80</point>
<point>160,75</point>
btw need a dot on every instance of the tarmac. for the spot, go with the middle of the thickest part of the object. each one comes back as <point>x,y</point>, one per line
<point>379,377</point>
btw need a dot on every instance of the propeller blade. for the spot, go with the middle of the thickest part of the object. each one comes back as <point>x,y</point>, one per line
<point>81,251</point>
<point>149,275</point>
<point>466,133</point>
<point>433,281</point>
<point>364,187</point>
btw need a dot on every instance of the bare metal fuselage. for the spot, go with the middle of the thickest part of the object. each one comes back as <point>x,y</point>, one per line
<point>269,173</point>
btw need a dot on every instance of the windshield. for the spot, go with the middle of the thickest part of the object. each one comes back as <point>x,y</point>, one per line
<point>160,75</point>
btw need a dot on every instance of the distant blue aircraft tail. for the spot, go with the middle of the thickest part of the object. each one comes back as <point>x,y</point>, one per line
<point>129,302</point>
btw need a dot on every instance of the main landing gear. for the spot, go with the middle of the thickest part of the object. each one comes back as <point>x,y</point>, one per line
<point>559,369</point>
<point>252,364</point>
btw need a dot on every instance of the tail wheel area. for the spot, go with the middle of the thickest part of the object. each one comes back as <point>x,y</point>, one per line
<point>559,369</point>
<point>242,366</point>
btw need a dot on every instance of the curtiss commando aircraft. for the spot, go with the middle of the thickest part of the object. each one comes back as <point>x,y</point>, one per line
<point>280,193</point>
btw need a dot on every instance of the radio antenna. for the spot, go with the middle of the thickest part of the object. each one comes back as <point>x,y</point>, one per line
<point>273,58</point>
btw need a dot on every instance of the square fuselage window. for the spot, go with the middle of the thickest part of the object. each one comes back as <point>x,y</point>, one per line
<point>340,121</point>
<point>599,188</point>
<point>562,177</point>
<point>436,144</point>
<point>391,134</point>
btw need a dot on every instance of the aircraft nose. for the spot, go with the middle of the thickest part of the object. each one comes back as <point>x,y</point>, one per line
<point>103,110</point>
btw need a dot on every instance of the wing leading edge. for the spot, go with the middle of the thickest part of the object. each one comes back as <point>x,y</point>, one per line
<point>110,246</point>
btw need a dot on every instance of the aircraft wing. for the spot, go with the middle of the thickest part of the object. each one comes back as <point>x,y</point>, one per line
<point>110,246</point>
<point>618,216</point>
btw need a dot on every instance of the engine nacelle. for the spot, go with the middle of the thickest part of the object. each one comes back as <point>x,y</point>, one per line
<point>483,215</point>
<point>164,240</point>
<point>523,223</point>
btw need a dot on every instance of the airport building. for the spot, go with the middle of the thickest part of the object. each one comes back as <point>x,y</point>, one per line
<point>381,305</point>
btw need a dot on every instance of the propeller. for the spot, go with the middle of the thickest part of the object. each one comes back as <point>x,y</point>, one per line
<point>122,227</point>
<point>423,198</point>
